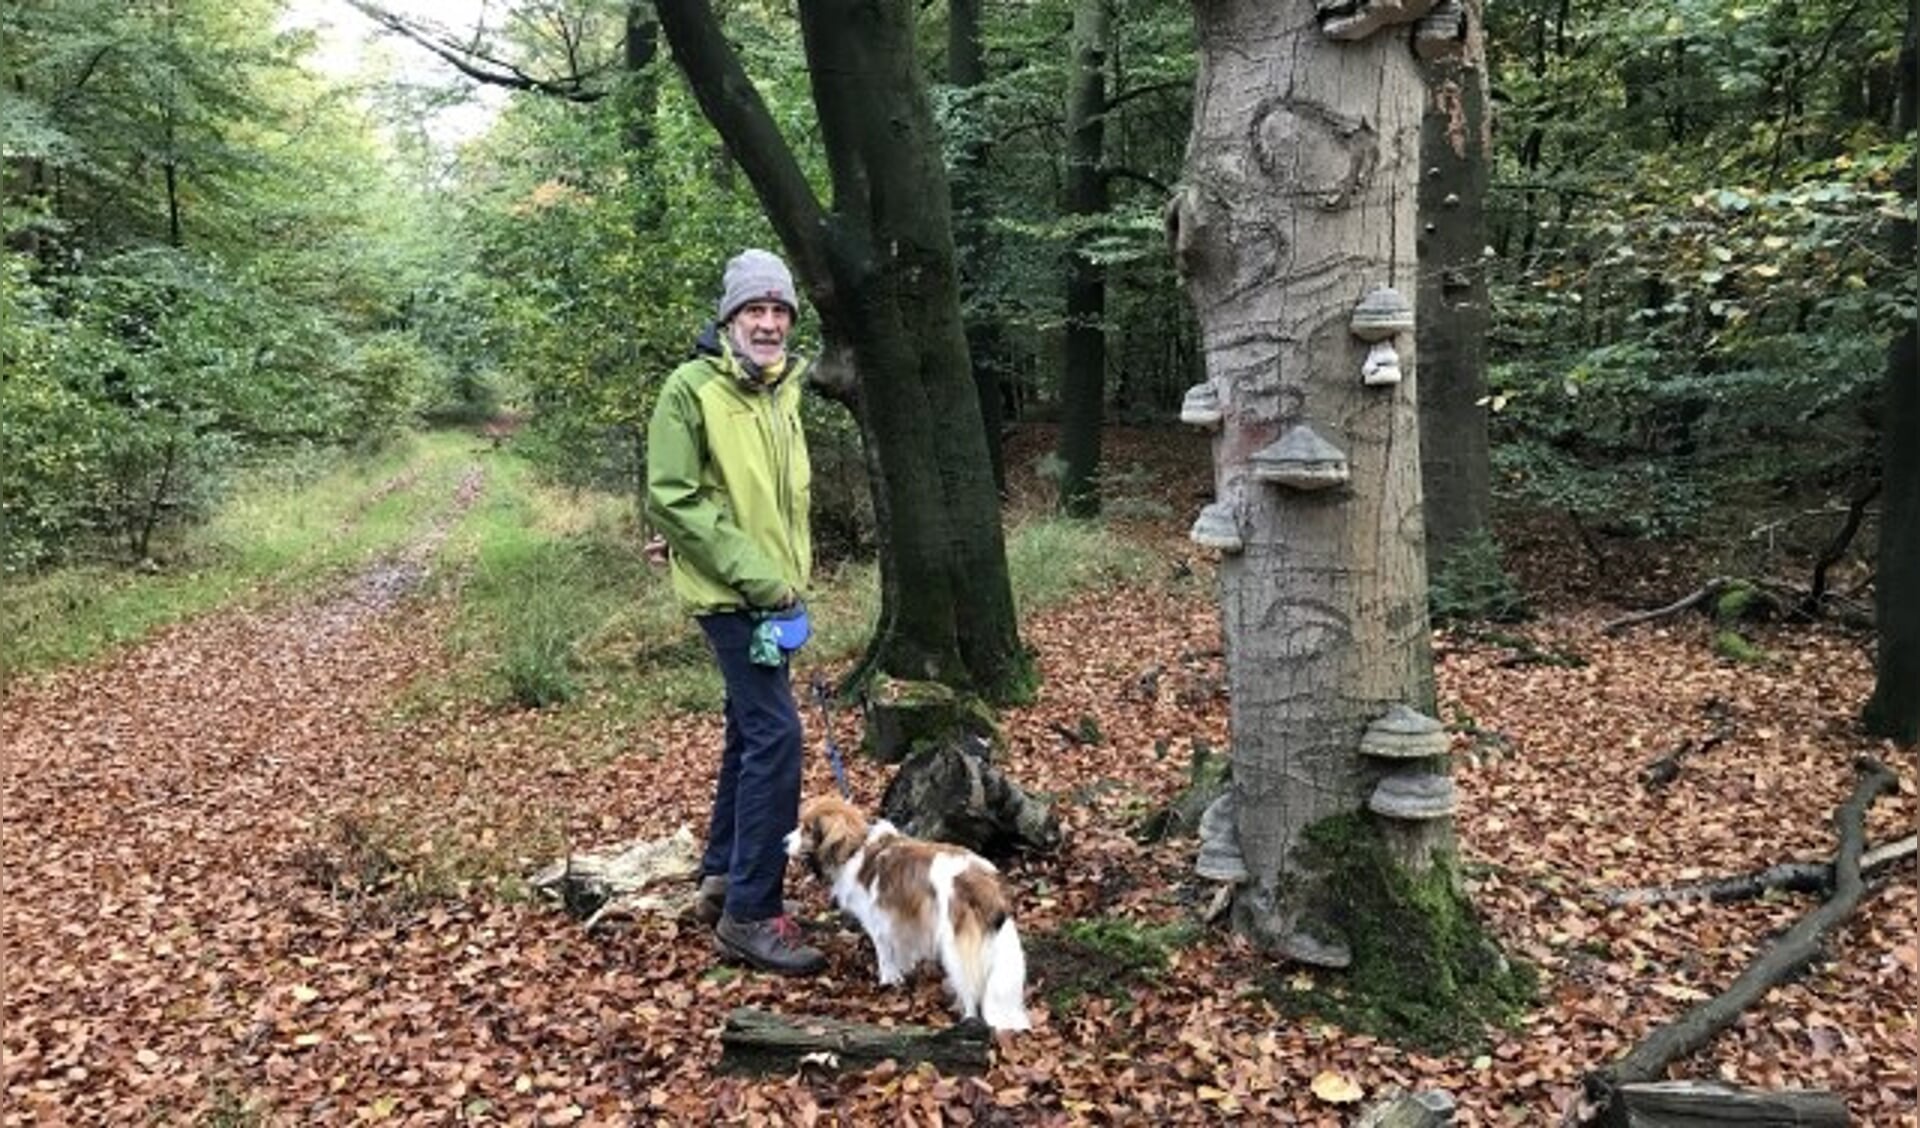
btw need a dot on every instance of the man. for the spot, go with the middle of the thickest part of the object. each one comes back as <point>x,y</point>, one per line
<point>727,480</point>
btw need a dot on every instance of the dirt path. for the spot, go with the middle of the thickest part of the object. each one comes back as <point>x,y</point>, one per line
<point>154,805</point>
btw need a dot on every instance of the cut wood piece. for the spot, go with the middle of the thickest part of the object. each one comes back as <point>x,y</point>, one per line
<point>758,1042</point>
<point>953,793</point>
<point>1706,1104</point>
<point>1648,1060</point>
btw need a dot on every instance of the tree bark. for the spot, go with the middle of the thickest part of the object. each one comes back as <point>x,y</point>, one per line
<point>1456,147</point>
<point>1894,709</point>
<point>879,267</point>
<point>1298,201</point>
<point>1704,1104</point>
<point>1083,383</point>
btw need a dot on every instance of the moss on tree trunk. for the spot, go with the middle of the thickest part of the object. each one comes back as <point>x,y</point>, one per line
<point>1425,971</point>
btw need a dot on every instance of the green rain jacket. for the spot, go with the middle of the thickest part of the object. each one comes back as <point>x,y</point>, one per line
<point>728,482</point>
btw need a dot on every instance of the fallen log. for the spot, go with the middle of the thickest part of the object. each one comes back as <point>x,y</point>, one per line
<point>1712,588</point>
<point>1706,1104</point>
<point>626,880</point>
<point>1787,877</point>
<point>1648,1060</point>
<point>757,1042</point>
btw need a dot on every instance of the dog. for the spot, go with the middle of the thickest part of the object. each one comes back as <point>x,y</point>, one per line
<point>920,901</point>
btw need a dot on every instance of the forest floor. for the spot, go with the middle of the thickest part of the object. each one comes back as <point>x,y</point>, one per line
<point>221,847</point>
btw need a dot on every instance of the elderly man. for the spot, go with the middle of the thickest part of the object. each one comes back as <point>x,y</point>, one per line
<point>727,480</point>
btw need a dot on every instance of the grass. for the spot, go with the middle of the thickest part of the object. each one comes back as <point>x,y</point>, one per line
<point>284,530</point>
<point>1052,558</point>
<point>556,603</point>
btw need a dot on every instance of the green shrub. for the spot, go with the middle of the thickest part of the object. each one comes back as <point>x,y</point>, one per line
<point>1470,584</point>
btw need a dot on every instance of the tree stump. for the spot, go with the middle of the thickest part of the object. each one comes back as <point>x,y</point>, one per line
<point>953,793</point>
<point>904,717</point>
<point>756,1042</point>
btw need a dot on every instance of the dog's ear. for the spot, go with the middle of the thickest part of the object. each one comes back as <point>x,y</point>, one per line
<point>836,837</point>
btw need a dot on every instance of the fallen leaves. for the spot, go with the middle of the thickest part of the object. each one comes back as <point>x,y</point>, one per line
<point>1336,1088</point>
<point>250,878</point>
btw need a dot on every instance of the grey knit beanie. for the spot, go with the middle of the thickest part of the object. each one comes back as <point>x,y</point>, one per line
<point>756,276</point>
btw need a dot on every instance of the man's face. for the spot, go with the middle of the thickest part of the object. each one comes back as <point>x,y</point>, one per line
<point>760,331</point>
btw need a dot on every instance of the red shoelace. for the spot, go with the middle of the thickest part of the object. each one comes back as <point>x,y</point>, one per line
<point>786,930</point>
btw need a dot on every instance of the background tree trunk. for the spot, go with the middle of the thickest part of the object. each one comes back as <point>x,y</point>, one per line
<point>1894,709</point>
<point>1456,148</point>
<point>967,71</point>
<point>1083,383</point>
<point>1299,199</point>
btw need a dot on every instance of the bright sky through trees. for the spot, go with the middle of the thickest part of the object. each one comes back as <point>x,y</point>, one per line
<point>351,45</point>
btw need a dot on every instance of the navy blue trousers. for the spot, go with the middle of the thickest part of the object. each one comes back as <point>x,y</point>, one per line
<point>758,798</point>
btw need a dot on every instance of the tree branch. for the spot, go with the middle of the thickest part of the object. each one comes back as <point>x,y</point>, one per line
<point>1115,172</point>
<point>1711,589</point>
<point>1649,1059</point>
<point>1126,96</point>
<point>729,100</point>
<point>478,65</point>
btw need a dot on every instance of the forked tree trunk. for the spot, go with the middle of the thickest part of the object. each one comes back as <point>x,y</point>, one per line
<point>1298,200</point>
<point>1456,146</point>
<point>879,267</point>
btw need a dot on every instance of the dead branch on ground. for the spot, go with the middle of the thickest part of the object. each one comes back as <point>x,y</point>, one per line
<point>755,1041</point>
<point>1648,1060</point>
<point>1711,589</point>
<point>1786,877</point>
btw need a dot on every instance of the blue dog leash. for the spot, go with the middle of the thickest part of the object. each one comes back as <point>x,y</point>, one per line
<point>834,759</point>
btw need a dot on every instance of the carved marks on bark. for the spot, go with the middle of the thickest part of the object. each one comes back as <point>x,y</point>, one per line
<point>1314,153</point>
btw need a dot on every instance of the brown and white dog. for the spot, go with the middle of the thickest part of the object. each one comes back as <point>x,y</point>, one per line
<point>920,901</point>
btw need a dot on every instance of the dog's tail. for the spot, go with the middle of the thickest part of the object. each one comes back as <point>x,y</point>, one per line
<point>991,976</point>
<point>1003,999</point>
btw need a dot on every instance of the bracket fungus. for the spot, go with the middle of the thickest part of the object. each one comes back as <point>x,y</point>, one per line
<point>1403,733</point>
<point>1351,20</point>
<point>1202,406</point>
<point>1381,314</point>
<point>1382,366</point>
<point>1413,797</point>
<point>1220,858</point>
<point>1217,528</point>
<point>1442,32</point>
<point>1302,459</point>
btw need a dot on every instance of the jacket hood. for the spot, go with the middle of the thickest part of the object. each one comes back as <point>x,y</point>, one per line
<point>707,341</point>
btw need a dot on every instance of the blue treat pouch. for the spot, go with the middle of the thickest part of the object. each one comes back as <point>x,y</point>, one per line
<point>791,628</point>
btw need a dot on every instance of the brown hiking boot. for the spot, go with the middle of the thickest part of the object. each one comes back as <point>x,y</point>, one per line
<point>773,944</point>
<point>710,900</point>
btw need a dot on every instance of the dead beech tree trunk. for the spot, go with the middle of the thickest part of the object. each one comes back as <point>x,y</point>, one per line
<point>1294,231</point>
